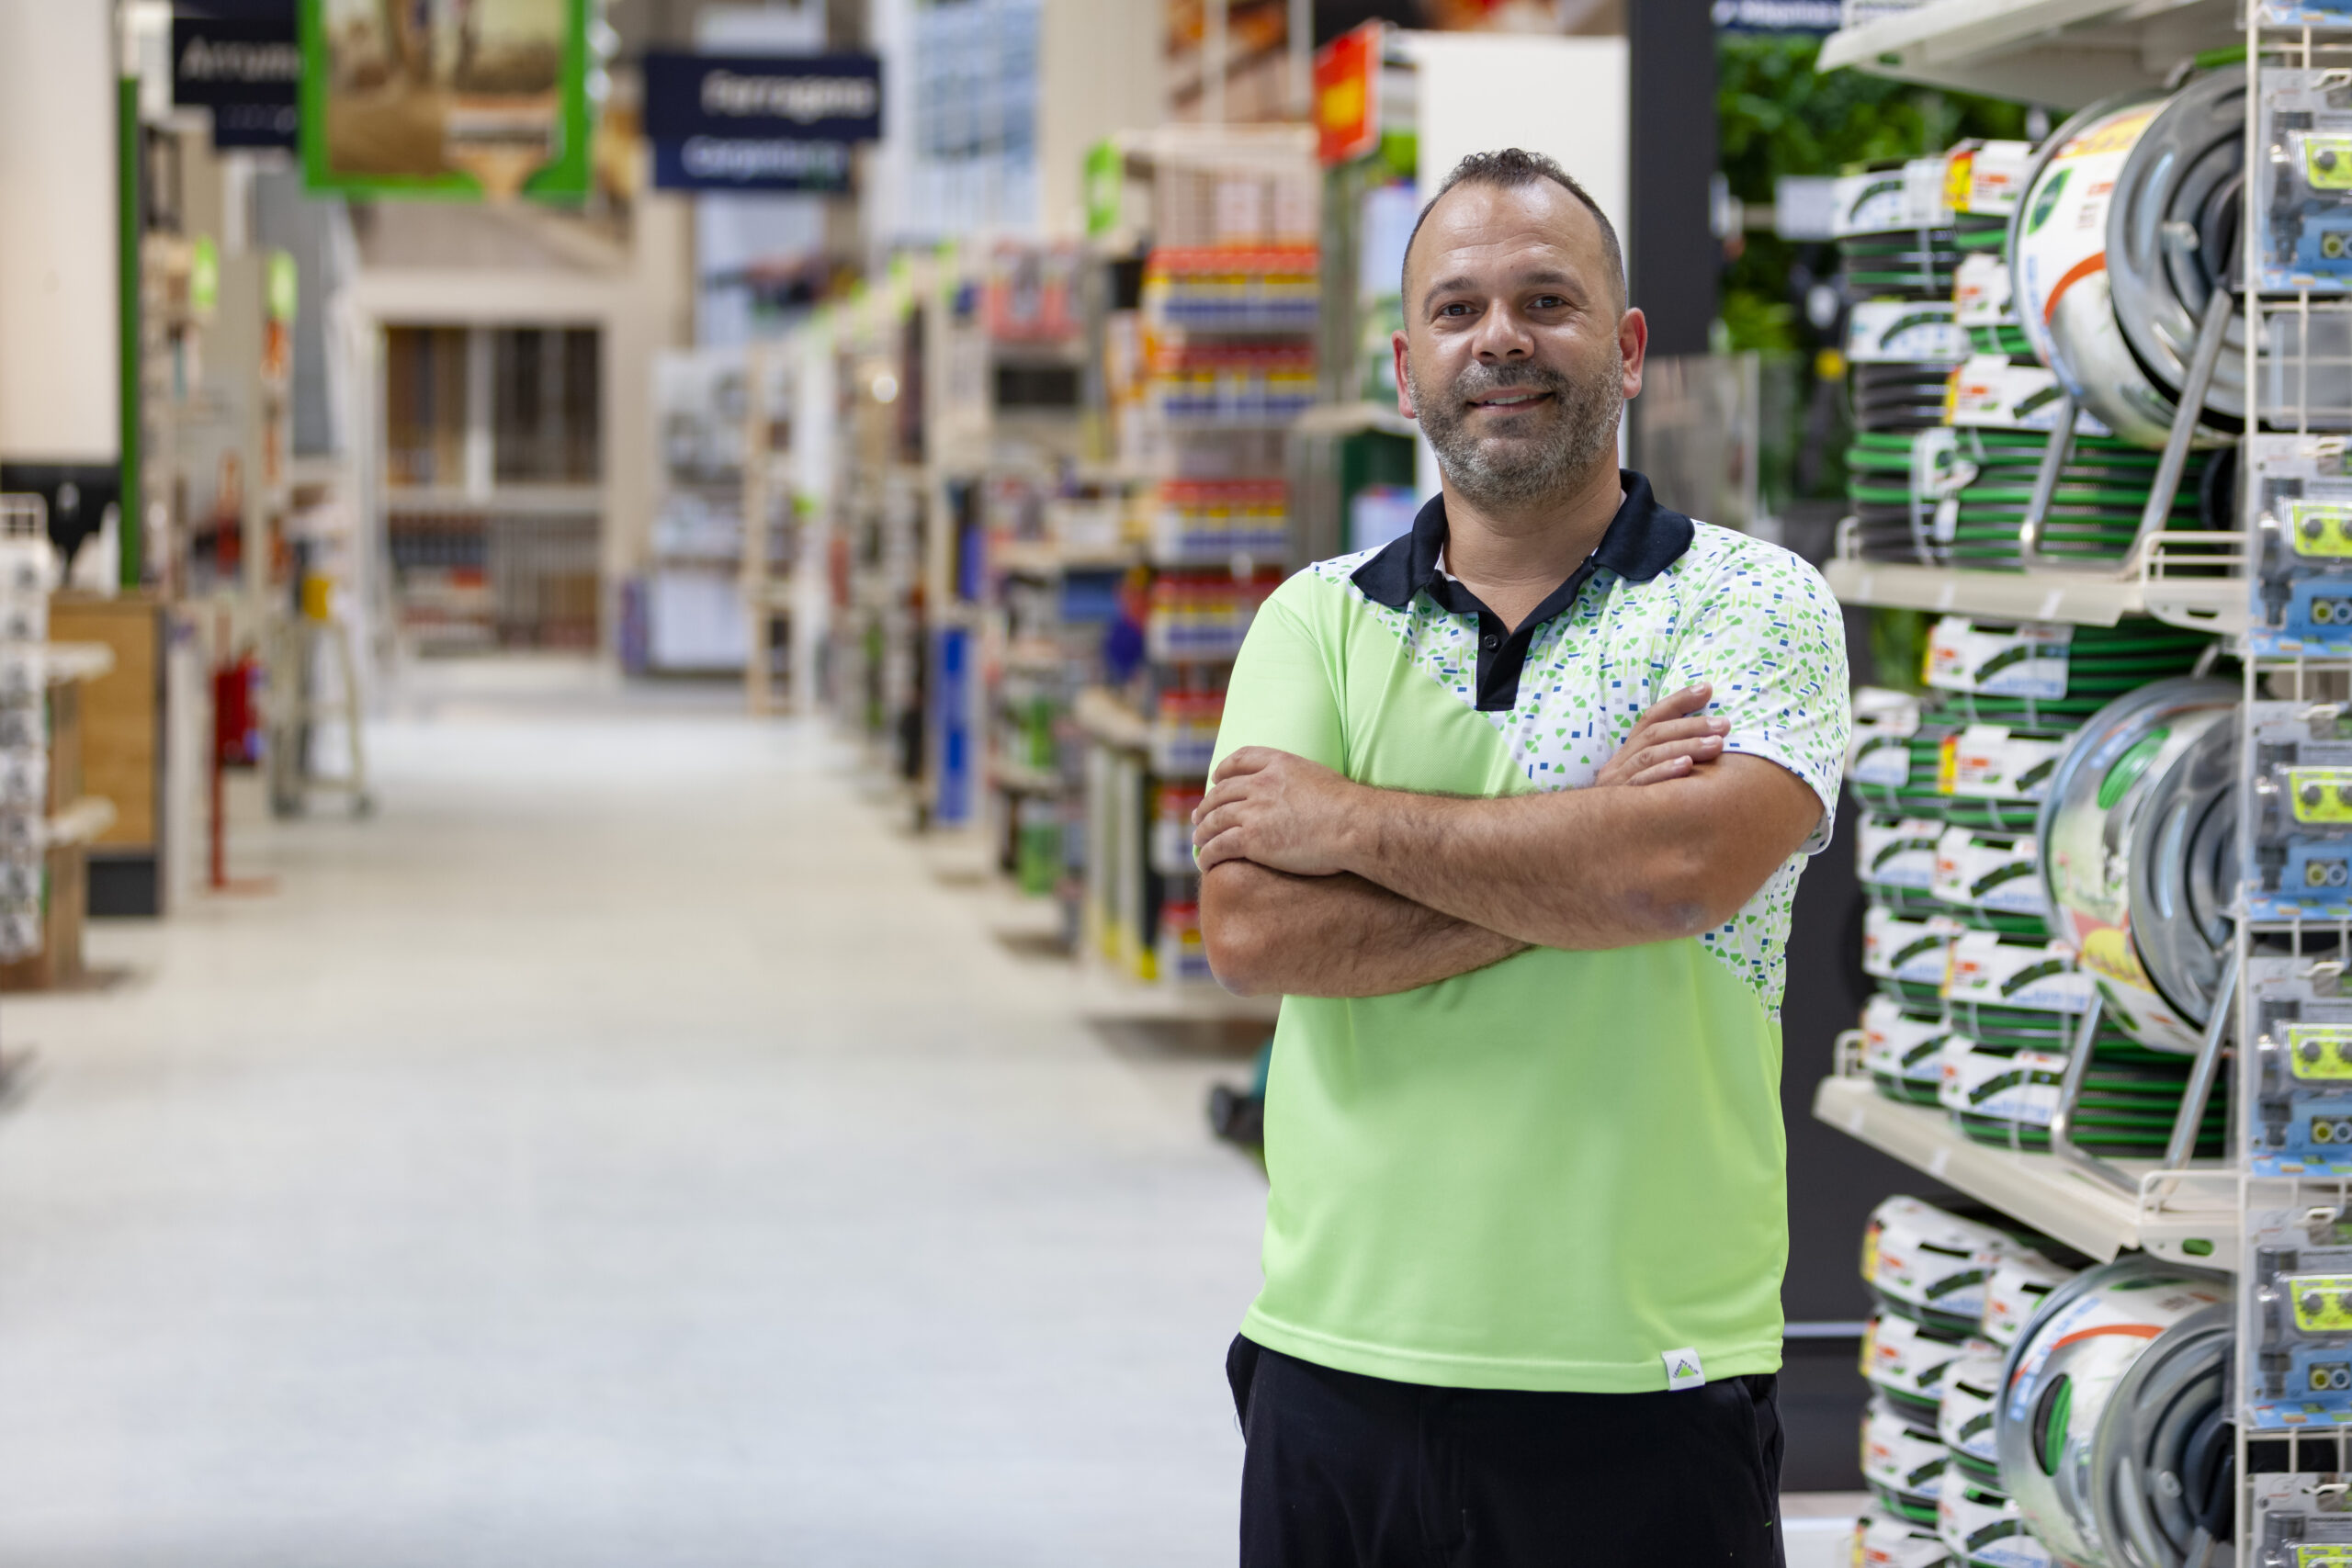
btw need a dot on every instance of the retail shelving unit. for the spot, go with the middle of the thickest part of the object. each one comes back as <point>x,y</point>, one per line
<point>694,615</point>
<point>1206,332</point>
<point>772,555</point>
<point>2230,856</point>
<point>880,526</point>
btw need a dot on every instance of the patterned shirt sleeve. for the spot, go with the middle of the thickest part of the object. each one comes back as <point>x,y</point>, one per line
<point>1770,638</point>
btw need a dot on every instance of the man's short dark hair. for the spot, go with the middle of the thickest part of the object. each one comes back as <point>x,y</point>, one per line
<point>1508,170</point>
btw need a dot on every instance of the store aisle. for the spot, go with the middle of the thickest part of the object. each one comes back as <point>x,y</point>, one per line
<point>625,1150</point>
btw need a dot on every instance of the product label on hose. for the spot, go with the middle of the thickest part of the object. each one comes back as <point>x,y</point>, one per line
<point>1987,393</point>
<point>1982,1529</point>
<point>2015,1289</point>
<point>2023,1087</point>
<point>2062,244</point>
<point>1903,331</point>
<point>1991,972</point>
<point>1985,762</point>
<point>1897,949</point>
<point>1896,1045</point>
<point>1897,852</point>
<point>1898,1459</point>
<point>1997,873</point>
<point>1980,295</point>
<point>2023,662</point>
<point>1895,1543</point>
<point>1884,760</point>
<point>1972,1388</point>
<point>2142,1311</point>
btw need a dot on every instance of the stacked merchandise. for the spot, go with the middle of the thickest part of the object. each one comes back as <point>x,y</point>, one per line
<point>1219,360</point>
<point>1977,1005</point>
<point>1949,485</point>
<point>1952,1292</point>
<point>25,568</point>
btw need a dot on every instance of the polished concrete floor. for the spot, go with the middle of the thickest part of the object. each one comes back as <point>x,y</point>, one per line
<point>627,1148</point>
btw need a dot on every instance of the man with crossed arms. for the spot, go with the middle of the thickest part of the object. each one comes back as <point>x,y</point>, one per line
<point>1511,812</point>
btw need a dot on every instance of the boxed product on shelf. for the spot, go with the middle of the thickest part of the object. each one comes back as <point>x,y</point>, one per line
<point>2302,1279</point>
<point>1231,289</point>
<point>2302,1518</point>
<point>1184,956</point>
<point>1184,733</point>
<point>1200,522</point>
<point>2302,204</point>
<point>1202,616</point>
<point>1172,827</point>
<point>2302,1051</point>
<point>1209,384</point>
<point>2303,811</point>
<point>2299,499</point>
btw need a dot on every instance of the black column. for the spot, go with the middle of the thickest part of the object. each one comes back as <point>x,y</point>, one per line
<point>1672,253</point>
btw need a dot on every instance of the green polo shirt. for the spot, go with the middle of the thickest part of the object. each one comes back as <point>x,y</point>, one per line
<point>1554,1172</point>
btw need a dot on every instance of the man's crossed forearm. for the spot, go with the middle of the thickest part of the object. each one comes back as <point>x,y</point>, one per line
<point>1272,934</point>
<point>1274,930</point>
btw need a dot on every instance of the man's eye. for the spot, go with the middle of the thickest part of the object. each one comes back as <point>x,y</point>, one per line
<point>1457,309</point>
<point>1547,302</point>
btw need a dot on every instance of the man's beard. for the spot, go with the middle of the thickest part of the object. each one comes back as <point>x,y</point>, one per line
<point>1563,440</point>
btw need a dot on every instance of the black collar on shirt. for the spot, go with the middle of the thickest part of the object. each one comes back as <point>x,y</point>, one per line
<point>1643,540</point>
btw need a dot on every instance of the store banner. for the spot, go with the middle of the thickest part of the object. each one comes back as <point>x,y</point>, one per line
<point>774,122</point>
<point>1347,94</point>
<point>248,71</point>
<point>471,101</point>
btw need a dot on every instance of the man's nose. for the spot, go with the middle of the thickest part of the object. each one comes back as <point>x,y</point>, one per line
<point>1503,335</point>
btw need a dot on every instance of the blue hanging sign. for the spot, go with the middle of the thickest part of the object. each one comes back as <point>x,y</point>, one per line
<point>246,70</point>
<point>772,97</point>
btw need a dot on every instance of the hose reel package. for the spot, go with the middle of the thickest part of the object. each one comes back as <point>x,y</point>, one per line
<point>2139,844</point>
<point>2114,1430</point>
<point>2125,234</point>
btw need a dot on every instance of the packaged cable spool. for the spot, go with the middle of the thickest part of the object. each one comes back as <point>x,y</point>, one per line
<point>1907,1362</point>
<point>1903,1466</point>
<point>1892,1541</point>
<point>2114,1422</point>
<point>1897,854</point>
<point>1990,874</point>
<point>1899,773</point>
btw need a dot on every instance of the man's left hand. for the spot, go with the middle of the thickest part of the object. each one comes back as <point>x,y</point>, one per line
<point>1281,811</point>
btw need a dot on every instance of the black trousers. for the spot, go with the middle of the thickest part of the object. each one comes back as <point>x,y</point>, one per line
<point>1345,1471</point>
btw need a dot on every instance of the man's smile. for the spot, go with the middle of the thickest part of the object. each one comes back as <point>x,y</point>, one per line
<point>1511,398</point>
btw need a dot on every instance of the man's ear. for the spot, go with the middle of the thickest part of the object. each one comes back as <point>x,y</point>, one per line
<point>1404,382</point>
<point>1632,348</point>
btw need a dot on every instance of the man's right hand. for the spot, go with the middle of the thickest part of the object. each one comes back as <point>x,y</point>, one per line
<point>1668,741</point>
